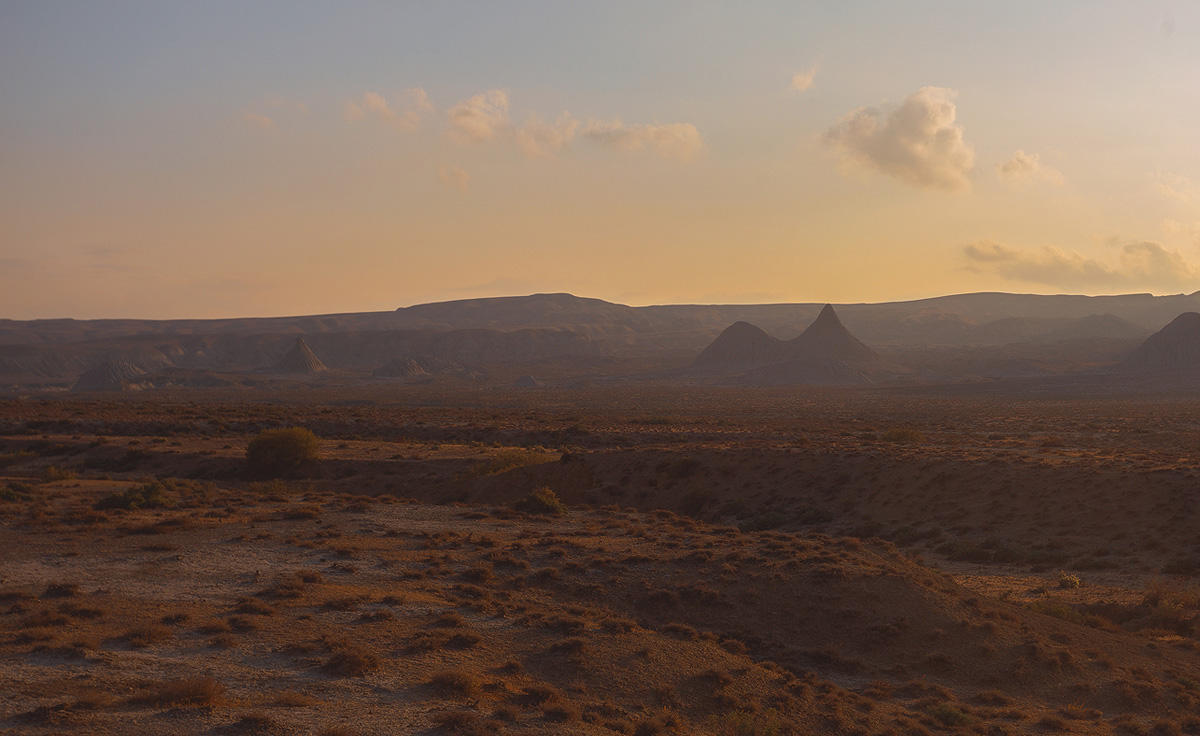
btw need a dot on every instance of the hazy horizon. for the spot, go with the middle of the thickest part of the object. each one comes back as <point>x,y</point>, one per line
<point>221,160</point>
<point>285,315</point>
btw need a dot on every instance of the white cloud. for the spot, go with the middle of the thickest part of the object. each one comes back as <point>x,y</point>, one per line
<point>801,81</point>
<point>1027,166</point>
<point>1177,187</point>
<point>1138,265</point>
<point>680,141</point>
<point>453,176</point>
<point>539,138</point>
<point>404,112</point>
<point>483,117</point>
<point>918,142</point>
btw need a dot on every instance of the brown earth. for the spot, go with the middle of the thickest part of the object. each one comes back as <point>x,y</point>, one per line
<point>731,561</point>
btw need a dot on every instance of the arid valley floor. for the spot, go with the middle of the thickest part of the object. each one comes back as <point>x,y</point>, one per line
<point>730,561</point>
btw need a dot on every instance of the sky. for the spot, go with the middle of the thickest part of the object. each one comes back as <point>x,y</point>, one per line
<point>168,159</point>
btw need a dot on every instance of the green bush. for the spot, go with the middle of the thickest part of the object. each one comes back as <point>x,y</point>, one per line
<point>146,496</point>
<point>542,501</point>
<point>281,452</point>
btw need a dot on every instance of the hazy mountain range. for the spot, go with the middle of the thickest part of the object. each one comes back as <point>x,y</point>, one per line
<point>958,335</point>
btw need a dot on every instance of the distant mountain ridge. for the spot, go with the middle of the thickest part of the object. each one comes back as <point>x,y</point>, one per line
<point>937,320</point>
<point>469,335</point>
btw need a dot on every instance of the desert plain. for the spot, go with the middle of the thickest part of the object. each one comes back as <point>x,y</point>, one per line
<point>708,560</point>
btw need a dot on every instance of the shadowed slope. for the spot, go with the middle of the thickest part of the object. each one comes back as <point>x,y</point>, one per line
<point>1173,349</point>
<point>742,345</point>
<point>300,359</point>
<point>113,375</point>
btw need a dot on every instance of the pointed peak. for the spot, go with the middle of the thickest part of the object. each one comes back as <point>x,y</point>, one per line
<point>300,359</point>
<point>828,314</point>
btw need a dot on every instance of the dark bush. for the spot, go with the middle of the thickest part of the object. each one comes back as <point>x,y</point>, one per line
<point>280,452</point>
<point>542,501</point>
<point>146,496</point>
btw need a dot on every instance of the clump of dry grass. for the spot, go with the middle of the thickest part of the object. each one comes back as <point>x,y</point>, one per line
<point>145,636</point>
<point>507,460</point>
<point>61,590</point>
<point>542,501</point>
<point>464,723</point>
<point>193,691</point>
<point>455,683</point>
<point>350,661</point>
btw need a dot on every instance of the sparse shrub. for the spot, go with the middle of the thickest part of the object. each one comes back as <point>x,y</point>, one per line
<point>1058,610</point>
<point>188,691</point>
<point>463,723</point>
<point>254,723</point>
<point>948,715</point>
<point>667,723</point>
<point>350,662</point>
<point>280,452</point>
<point>146,496</point>
<point>454,683</point>
<point>61,590</point>
<point>542,501</point>
<point>1068,581</point>
<point>16,491</point>
<point>903,435</point>
<point>53,473</point>
<point>507,460</point>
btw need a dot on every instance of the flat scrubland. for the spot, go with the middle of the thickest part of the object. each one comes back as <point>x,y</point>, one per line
<point>727,562</point>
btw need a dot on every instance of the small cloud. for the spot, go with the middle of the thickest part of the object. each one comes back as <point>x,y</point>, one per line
<point>480,118</point>
<point>539,138</point>
<point>1138,265</point>
<point>1175,227</point>
<point>404,111</point>
<point>262,122</point>
<point>918,142</point>
<point>1177,187</point>
<point>801,81</point>
<point>680,141</point>
<point>1026,166</point>
<point>453,176</point>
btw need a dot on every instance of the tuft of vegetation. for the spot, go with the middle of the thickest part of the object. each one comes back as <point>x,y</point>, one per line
<point>903,435</point>
<point>281,452</point>
<point>948,715</point>
<point>507,460</point>
<point>1068,581</point>
<point>1058,610</point>
<point>542,501</point>
<point>15,491</point>
<point>348,661</point>
<point>193,691</point>
<point>454,683</point>
<point>146,496</point>
<point>747,723</point>
<point>53,473</point>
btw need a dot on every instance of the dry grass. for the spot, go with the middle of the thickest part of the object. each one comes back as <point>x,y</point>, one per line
<point>194,691</point>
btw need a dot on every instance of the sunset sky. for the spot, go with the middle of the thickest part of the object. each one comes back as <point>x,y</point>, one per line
<point>203,159</point>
